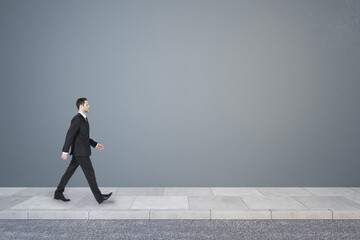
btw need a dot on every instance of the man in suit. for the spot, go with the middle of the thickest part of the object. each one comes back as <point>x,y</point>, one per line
<point>78,137</point>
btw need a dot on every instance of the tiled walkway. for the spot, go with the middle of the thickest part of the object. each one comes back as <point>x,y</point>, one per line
<point>183,203</point>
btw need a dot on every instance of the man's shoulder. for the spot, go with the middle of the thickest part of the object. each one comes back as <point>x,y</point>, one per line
<point>76,117</point>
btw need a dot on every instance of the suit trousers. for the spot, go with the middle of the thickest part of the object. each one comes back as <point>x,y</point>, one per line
<point>86,165</point>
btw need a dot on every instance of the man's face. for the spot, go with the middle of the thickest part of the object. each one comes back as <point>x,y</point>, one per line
<point>85,107</point>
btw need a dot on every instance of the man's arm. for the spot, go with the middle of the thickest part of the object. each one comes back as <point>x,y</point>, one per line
<point>73,129</point>
<point>96,145</point>
<point>93,143</point>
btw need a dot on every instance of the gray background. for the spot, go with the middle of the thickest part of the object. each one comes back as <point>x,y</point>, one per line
<point>183,93</point>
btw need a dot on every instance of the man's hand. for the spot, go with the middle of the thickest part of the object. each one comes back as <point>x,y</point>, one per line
<point>64,156</point>
<point>100,147</point>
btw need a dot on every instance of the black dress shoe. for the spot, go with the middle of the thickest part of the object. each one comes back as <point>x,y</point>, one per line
<point>103,197</point>
<point>61,197</point>
<point>106,196</point>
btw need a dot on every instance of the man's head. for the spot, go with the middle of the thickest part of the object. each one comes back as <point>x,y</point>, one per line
<point>82,105</point>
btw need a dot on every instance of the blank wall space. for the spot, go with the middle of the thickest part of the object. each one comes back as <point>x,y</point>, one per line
<point>183,93</point>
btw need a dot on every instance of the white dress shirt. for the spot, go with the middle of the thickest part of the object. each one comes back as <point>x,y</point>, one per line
<point>85,119</point>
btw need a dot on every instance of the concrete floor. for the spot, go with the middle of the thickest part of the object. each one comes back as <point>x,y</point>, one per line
<point>182,203</point>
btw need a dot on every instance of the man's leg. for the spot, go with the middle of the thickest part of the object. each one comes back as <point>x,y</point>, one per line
<point>67,175</point>
<point>89,172</point>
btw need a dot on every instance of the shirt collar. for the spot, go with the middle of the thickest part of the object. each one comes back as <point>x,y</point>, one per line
<point>83,115</point>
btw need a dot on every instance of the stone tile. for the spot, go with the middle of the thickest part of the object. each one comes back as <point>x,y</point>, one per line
<point>241,214</point>
<point>53,214</point>
<point>37,191</point>
<point>272,202</point>
<point>123,214</point>
<point>180,214</point>
<point>77,192</point>
<point>81,192</point>
<point>283,191</point>
<point>13,214</point>
<point>7,191</point>
<point>6,202</point>
<point>139,191</point>
<point>332,191</point>
<point>43,203</point>
<point>332,203</point>
<point>183,203</point>
<point>235,191</point>
<point>106,190</point>
<point>354,197</point>
<point>217,203</point>
<point>337,214</point>
<point>187,191</point>
<point>301,214</point>
<point>114,202</point>
<point>161,202</point>
<point>356,189</point>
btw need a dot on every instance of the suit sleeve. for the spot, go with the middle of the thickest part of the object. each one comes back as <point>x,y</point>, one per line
<point>74,127</point>
<point>93,143</point>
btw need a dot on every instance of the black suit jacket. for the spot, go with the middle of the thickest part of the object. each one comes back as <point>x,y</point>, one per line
<point>78,137</point>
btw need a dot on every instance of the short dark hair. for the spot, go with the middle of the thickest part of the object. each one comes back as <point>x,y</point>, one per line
<point>80,101</point>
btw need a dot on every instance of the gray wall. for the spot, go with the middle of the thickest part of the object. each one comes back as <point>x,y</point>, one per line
<point>183,93</point>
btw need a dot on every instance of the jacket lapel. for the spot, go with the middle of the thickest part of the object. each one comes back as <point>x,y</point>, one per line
<point>86,122</point>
